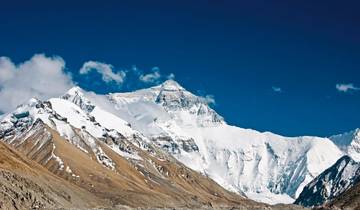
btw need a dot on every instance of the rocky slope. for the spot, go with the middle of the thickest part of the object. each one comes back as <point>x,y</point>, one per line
<point>350,199</point>
<point>340,177</point>
<point>24,184</point>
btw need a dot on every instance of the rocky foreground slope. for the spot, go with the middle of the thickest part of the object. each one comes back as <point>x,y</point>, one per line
<point>24,184</point>
<point>350,199</point>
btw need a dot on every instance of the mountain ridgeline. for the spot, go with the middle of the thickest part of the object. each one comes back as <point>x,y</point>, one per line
<point>337,179</point>
<point>166,147</point>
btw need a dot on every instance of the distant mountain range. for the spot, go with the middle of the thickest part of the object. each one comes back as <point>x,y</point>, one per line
<point>166,147</point>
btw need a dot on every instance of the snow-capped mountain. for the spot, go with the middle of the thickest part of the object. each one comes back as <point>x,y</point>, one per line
<point>343,175</point>
<point>264,166</point>
<point>349,143</point>
<point>74,127</point>
<point>108,167</point>
<point>340,177</point>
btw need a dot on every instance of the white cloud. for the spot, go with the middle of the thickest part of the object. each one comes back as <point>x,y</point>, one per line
<point>209,99</point>
<point>152,77</point>
<point>346,87</point>
<point>41,77</point>
<point>276,89</point>
<point>106,71</point>
<point>44,77</point>
<point>7,69</point>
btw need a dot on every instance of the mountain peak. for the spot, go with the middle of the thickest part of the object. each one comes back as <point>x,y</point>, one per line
<point>349,143</point>
<point>77,96</point>
<point>332,182</point>
<point>171,85</point>
<point>357,131</point>
<point>76,90</point>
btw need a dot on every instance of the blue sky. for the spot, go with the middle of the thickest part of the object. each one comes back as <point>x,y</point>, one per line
<point>271,65</point>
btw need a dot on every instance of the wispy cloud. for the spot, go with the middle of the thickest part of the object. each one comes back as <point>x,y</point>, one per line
<point>276,89</point>
<point>153,77</point>
<point>106,71</point>
<point>346,87</point>
<point>41,77</point>
<point>209,99</point>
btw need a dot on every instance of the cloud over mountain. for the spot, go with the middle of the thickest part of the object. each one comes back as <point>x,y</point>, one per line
<point>106,71</point>
<point>41,76</point>
<point>152,77</point>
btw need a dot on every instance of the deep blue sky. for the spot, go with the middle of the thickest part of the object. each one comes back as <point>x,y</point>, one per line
<point>235,50</point>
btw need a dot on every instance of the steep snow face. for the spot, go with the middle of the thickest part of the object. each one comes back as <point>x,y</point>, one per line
<point>77,117</point>
<point>335,180</point>
<point>264,166</point>
<point>349,143</point>
<point>87,104</point>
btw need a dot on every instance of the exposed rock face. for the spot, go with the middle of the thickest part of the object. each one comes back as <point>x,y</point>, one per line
<point>350,199</point>
<point>176,146</point>
<point>76,96</point>
<point>337,179</point>
<point>173,97</point>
